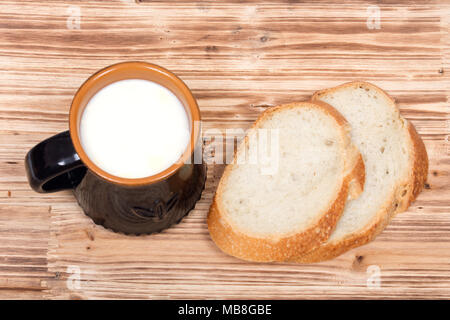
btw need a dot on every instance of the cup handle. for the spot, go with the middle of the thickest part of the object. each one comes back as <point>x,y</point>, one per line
<point>54,165</point>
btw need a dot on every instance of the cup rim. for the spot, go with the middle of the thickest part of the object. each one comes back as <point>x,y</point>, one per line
<point>156,70</point>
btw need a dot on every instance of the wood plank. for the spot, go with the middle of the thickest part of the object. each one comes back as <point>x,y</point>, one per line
<point>238,57</point>
<point>24,237</point>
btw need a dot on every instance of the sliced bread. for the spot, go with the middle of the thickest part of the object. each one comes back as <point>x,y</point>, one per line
<point>395,159</point>
<point>270,216</point>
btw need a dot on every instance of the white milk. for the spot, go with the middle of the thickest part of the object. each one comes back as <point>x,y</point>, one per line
<point>134,128</point>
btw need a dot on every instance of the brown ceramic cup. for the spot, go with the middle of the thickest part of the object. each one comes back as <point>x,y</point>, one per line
<point>131,206</point>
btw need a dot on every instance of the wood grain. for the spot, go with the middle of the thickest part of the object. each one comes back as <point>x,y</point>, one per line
<point>238,57</point>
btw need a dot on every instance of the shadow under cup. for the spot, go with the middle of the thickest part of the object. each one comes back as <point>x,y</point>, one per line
<point>131,206</point>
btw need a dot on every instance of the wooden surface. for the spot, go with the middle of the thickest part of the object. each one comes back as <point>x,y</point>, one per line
<point>238,58</point>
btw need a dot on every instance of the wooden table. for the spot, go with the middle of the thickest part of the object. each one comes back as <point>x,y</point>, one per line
<point>238,58</point>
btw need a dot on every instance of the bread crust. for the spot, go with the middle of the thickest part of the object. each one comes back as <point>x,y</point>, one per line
<point>251,248</point>
<point>420,171</point>
<point>404,193</point>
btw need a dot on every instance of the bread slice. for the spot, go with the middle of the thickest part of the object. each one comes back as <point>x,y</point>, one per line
<point>261,216</point>
<point>395,159</point>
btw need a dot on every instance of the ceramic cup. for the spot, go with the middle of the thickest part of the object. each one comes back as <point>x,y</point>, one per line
<point>130,206</point>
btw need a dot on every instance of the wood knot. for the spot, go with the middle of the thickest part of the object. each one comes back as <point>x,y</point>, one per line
<point>357,263</point>
<point>264,105</point>
<point>237,30</point>
<point>427,186</point>
<point>211,49</point>
<point>90,235</point>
